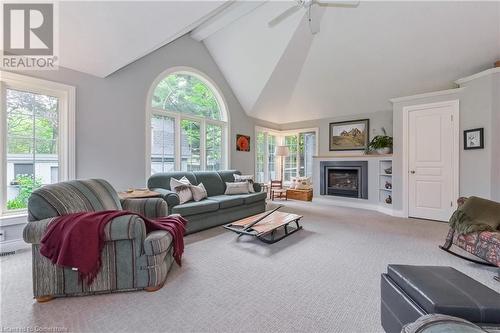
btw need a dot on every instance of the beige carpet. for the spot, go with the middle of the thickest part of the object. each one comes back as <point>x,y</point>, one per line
<point>324,278</point>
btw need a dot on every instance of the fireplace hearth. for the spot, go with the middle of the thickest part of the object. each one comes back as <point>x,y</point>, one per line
<point>344,178</point>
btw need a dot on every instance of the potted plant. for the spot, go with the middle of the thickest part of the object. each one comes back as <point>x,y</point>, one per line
<point>382,144</point>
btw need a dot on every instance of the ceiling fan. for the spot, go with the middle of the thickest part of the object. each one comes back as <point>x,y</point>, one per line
<point>309,5</point>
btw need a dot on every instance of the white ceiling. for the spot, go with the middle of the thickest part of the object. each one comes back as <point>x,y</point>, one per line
<point>101,37</point>
<point>361,58</point>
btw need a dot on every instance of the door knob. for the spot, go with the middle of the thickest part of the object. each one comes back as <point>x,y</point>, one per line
<point>412,171</point>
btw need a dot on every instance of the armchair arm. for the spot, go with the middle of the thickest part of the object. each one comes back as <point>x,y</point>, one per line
<point>257,187</point>
<point>170,197</point>
<point>123,227</point>
<point>33,231</point>
<point>148,207</point>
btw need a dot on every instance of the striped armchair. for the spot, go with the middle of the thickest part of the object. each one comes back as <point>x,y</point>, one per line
<point>131,259</point>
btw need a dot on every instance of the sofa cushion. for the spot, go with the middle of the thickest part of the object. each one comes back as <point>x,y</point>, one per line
<point>212,181</point>
<point>227,201</point>
<point>253,197</point>
<point>162,179</point>
<point>197,207</point>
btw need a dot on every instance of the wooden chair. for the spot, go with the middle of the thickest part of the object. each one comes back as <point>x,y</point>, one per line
<point>277,190</point>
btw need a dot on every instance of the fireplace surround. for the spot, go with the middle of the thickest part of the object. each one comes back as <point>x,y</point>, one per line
<point>344,178</point>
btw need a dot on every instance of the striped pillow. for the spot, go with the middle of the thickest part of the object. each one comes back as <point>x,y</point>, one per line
<point>236,188</point>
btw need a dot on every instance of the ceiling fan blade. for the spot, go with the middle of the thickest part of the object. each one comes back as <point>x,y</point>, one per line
<point>336,3</point>
<point>283,16</point>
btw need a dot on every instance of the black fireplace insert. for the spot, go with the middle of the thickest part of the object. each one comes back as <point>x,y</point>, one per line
<point>344,178</point>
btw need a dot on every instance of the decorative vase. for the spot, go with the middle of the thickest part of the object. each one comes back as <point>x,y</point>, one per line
<point>388,171</point>
<point>388,185</point>
<point>388,200</point>
<point>384,151</point>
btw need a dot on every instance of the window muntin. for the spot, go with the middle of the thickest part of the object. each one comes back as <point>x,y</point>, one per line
<point>190,145</point>
<point>214,148</point>
<point>291,160</point>
<point>162,144</point>
<point>186,94</point>
<point>306,150</point>
<point>199,124</point>
<point>273,174</point>
<point>260,156</point>
<point>32,137</point>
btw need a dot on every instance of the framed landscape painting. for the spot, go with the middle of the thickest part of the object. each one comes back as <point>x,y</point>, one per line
<point>349,135</point>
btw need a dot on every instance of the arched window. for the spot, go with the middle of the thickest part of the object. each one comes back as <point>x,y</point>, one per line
<point>188,123</point>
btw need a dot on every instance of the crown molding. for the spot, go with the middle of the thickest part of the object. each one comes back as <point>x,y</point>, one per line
<point>426,95</point>
<point>478,75</point>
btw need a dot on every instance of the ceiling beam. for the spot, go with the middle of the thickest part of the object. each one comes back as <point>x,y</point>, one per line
<point>231,13</point>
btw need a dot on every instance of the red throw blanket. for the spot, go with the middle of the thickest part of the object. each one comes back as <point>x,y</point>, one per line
<point>76,240</point>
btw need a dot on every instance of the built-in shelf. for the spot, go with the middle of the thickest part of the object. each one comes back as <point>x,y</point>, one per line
<point>384,193</point>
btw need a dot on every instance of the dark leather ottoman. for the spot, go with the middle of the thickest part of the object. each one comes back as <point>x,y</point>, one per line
<point>408,292</point>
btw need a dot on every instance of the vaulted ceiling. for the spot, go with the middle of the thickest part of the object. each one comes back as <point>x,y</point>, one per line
<point>100,37</point>
<point>360,59</point>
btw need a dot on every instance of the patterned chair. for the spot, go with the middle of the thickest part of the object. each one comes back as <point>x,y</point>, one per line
<point>131,259</point>
<point>484,245</point>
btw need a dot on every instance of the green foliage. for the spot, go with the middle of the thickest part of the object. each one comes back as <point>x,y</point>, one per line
<point>381,141</point>
<point>26,183</point>
<point>186,94</point>
<point>31,116</point>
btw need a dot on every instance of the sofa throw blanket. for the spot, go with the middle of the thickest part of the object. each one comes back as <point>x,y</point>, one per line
<point>476,214</point>
<point>76,240</point>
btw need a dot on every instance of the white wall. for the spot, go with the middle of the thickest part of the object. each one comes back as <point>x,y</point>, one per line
<point>377,121</point>
<point>479,169</point>
<point>110,113</point>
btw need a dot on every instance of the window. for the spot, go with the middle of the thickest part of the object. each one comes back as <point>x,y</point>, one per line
<point>188,124</point>
<point>301,144</point>
<point>39,143</point>
<point>306,150</point>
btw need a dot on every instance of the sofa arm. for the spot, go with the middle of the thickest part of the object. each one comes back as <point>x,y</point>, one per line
<point>257,187</point>
<point>170,197</point>
<point>123,227</point>
<point>148,207</point>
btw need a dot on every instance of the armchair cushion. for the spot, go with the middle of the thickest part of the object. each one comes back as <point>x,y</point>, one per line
<point>148,207</point>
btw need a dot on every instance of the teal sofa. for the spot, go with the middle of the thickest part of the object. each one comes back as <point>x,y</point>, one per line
<point>218,208</point>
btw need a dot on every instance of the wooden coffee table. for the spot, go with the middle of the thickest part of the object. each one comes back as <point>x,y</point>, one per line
<point>265,226</point>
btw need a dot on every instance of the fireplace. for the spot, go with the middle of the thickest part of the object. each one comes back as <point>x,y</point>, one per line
<point>344,178</point>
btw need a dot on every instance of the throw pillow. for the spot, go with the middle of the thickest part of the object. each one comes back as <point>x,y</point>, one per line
<point>199,192</point>
<point>293,183</point>
<point>182,188</point>
<point>236,188</point>
<point>303,183</point>
<point>245,178</point>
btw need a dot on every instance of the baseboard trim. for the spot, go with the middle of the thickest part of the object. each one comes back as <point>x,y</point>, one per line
<point>13,245</point>
<point>362,205</point>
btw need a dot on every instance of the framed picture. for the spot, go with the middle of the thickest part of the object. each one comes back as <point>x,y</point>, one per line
<point>474,138</point>
<point>242,142</point>
<point>349,135</point>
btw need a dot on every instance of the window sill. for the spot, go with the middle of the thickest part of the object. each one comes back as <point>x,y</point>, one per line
<point>12,219</point>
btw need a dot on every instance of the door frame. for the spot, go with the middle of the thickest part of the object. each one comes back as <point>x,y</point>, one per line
<point>455,104</point>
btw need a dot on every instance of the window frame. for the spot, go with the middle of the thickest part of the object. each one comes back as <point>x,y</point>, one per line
<point>280,140</point>
<point>178,117</point>
<point>66,140</point>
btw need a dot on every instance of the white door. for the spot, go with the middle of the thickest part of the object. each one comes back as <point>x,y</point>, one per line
<point>433,160</point>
